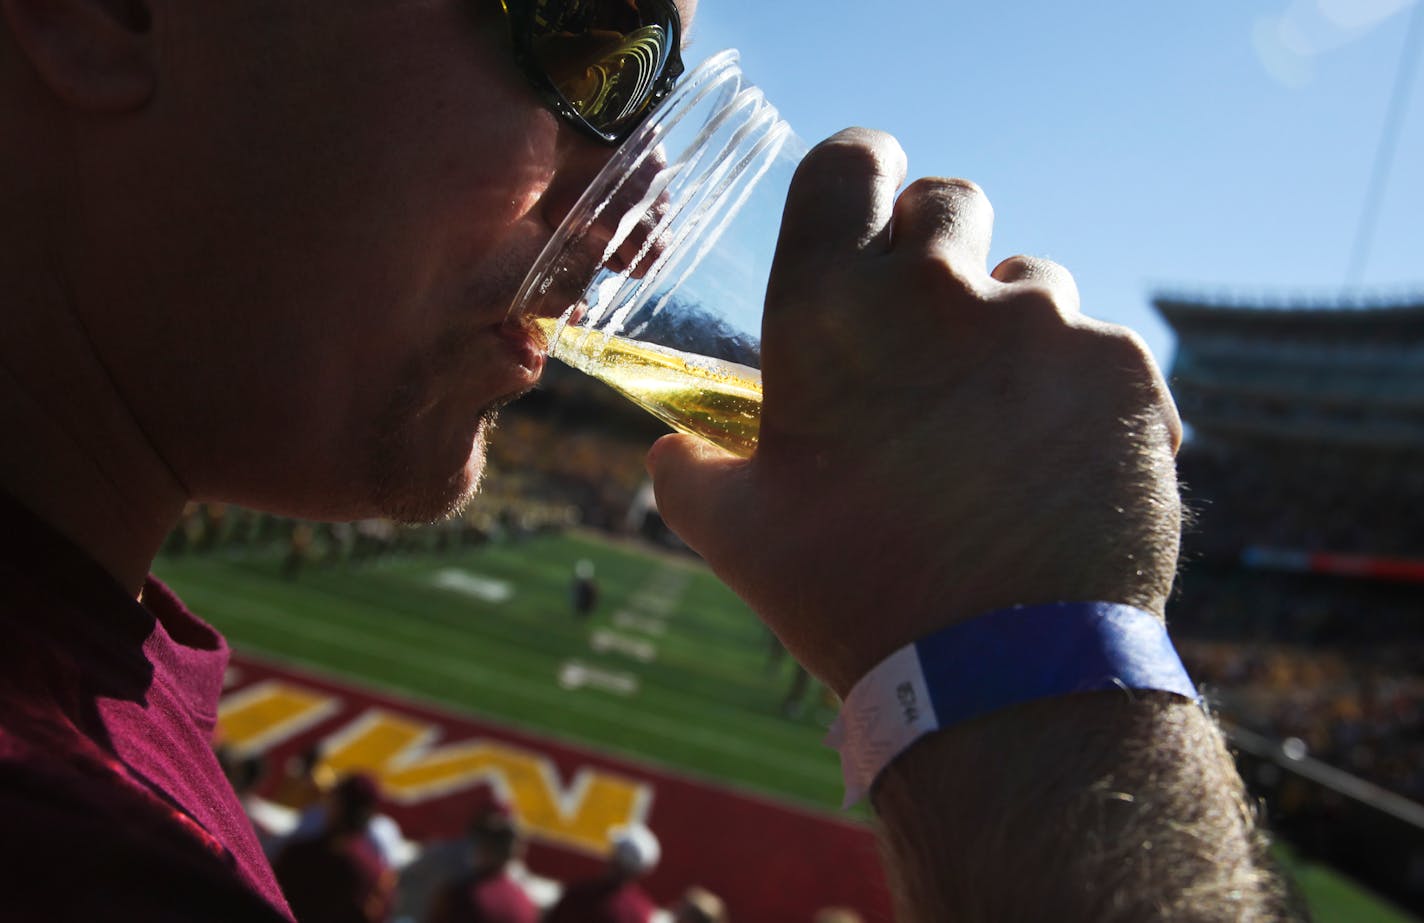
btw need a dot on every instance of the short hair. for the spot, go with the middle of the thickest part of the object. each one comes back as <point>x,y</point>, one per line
<point>494,828</point>
<point>353,802</point>
<point>698,905</point>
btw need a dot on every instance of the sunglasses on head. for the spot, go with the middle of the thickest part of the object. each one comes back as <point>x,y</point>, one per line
<point>600,64</point>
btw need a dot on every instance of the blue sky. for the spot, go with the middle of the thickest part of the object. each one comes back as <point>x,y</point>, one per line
<point>1216,147</point>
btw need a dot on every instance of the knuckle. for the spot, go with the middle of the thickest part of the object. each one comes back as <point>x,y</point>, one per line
<point>938,276</point>
<point>854,153</point>
<point>948,184</point>
<point>1122,353</point>
<point>1129,353</point>
<point>1038,305</point>
<point>1022,267</point>
<point>1116,351</point>
<point>947,194</point>
<point>1018,266</point>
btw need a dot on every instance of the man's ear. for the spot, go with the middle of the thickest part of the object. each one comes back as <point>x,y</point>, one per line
<point>94,54</point>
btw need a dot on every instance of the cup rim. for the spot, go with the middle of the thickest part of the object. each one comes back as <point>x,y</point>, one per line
<point>701,80</point>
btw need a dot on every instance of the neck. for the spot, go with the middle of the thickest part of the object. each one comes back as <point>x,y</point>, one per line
<point>75,452</point>
<point>76,456</point>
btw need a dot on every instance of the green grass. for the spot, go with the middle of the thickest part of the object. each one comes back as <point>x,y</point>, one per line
<point>1333,898</point>
<point>707,706</point>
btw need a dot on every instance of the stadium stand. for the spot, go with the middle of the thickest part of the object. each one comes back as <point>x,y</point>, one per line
<point>1301,602</point>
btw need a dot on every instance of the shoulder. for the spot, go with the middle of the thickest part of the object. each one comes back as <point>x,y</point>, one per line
<point>579,900</point>
<point>79,845</point>
<point>631,903</point>
<point>505,894</point>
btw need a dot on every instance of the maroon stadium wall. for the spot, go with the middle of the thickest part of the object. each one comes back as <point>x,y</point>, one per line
<point>769,861</point>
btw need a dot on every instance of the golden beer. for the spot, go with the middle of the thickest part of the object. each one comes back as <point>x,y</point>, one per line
<point>716,400</point>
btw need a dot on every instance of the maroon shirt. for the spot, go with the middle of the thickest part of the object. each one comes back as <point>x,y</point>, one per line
<point>489,898</point>
<point>112,804</point>
<point>336,879</point>
<point>603,900</point>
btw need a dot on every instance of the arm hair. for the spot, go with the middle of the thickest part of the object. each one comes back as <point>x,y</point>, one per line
<point>1098,807</point>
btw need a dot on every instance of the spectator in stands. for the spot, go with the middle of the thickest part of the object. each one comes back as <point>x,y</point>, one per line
<point>338,875</point>
<point>698,905</point>
<point>381,830</point>
<point>299,550</point>
<point>262,253</point>
<point>837,915</point>
<point>615,896</point>
<point>305,780</point>
<point>487,893</point>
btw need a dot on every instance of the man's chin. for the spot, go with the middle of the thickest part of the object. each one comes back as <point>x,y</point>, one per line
<point>427,497</point>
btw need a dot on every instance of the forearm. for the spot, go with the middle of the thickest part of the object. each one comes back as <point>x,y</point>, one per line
<point>1101,806</point>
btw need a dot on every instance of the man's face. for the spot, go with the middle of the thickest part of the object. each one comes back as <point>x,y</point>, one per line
<point>311,238</point>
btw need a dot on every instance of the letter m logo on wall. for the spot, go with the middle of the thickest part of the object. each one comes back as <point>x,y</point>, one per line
<point>402,753</point>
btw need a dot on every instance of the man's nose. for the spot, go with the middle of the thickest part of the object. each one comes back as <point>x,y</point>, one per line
<point>579,159</point>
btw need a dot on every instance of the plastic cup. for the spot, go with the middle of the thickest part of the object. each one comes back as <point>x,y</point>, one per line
<point>655,281</point>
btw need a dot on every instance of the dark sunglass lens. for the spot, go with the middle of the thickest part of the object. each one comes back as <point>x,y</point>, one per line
<point>604,56</point>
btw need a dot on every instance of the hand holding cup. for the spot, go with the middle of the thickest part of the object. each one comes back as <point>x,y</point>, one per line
<point>937,440</point>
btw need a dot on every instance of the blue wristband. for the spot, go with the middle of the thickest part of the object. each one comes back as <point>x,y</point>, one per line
<point>993,661</point>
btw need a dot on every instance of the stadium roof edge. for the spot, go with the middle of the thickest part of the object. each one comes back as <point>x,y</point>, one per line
<point>1290,299</point>
<point>1179,306</point>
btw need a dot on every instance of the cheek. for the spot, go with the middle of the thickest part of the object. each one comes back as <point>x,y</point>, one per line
<point>502,172</point>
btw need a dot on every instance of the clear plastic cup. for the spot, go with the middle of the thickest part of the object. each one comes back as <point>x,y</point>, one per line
<point>655,281</point>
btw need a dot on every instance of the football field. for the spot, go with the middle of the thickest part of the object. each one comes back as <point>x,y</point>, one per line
<point>671,668</point>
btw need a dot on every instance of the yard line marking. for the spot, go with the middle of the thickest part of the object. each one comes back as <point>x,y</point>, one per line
<point>604,641</point>
<point>662,592</point>
<point>653,604</point>
<point>514,685</point>
<point>648,626</point>
<point>461,581</point>
<point>576,675</point>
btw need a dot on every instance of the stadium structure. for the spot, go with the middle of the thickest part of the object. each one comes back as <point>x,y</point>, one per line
<point>1301,602</point>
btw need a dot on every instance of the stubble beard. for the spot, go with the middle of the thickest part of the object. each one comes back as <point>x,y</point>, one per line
<point>404,495</point>
<point>414,481</point>
<point>402,492</point>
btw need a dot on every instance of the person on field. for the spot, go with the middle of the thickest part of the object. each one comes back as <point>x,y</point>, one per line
<point>583,589</point>
<point>262,253</point>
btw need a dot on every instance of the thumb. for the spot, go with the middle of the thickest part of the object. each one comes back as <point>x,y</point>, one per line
<point>701,492</point>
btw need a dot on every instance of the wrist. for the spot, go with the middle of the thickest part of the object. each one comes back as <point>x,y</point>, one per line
<point>1126,557</point>
<point>1000,659</point>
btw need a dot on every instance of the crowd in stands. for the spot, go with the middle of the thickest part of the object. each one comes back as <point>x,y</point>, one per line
<point>539,478</point>
<point>1357,714</point>
<point>1300,610</point>
<point>1303,498</point>
<point>339,860</point>
<point>1329,664</point>
<point>214,527</point>
<point>595,472</point>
